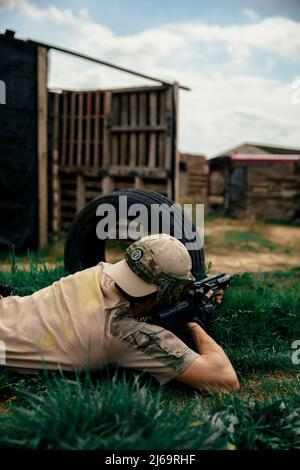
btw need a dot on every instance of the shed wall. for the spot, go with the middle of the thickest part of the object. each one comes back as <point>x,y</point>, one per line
<point>18,145</point>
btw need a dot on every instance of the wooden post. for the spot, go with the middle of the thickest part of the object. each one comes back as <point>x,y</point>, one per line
<point>175,140</point>
<point>153,135</point>
<point>107,184</point>
<point>64,97</point>
<point>170,188</point>
<point>56,194</point>
<point>142,155</point>
<point>56,185</point>
<point>79,131</point>
<point>133,135</point>
<point>107,160</point>
<point>80,192</point>
<point>138,182</point>
<point>167,115</point>
<point>72,129</point>
<point>87,135</point>
<point>42,99</point>
<point>97,133</point>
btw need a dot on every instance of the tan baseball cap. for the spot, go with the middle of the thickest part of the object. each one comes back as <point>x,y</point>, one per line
<point>151,257</point>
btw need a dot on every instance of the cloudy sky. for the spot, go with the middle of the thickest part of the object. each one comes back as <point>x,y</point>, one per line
<point>241,59</point>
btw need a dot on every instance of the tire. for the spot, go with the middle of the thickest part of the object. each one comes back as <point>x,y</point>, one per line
<point>84,249</point>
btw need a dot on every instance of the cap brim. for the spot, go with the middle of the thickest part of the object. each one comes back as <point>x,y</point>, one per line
<point>132,284</point>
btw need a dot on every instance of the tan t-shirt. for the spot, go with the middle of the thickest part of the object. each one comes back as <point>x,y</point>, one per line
<point>81,321</point>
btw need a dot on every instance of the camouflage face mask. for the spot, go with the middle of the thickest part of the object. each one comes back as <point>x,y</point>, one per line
<point>171,287</point>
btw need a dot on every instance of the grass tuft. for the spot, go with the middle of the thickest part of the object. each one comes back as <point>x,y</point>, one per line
<point>256,325</point>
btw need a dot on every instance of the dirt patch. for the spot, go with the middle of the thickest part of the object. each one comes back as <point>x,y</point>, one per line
<point>230,245</point>
<point>278,248</point>
<point>288,236</point>
<point>239,262</point>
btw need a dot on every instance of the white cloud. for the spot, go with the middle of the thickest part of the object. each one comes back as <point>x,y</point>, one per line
<point>8,4</point>
<point>251,15</point>
<point>230,102</point>
<point>277,35</point>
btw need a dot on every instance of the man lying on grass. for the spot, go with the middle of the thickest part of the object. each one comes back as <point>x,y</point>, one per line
<point>93,318</point>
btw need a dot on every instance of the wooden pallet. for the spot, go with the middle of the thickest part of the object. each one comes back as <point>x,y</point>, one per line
<point>113,139</point>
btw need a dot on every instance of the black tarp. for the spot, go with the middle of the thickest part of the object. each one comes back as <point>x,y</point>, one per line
<point>18,145</point>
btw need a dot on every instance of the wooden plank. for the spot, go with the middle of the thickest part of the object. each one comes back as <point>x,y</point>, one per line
<point>169,188</point>
<point>88,130</point>
<point>64,131</point>
<point>107,184</point>
<point>132,135</point>
<point>56,194</point>
<point>264,174</point>
<point>140,89</point>
<point>89,194</point>
<point>141,128</point>
<point>107,147</point>
<point>80,192</point>
<point>123,185</point>
<point>219,200</point>
<point>163,189</point>
<point>123,157</point>
<point>42,104</point>
<point>168,116</point>
<point>138,182</point>
<point>72,129</point>
<point>142,171</point>
<point>79,131</point>
<point>124,109</point>
<point>142,157</point>
<point>97,136</point>
<point>55,172</point>
<point>92,182</point>
<point>115,149</point>
<point>161,151</point>
<point>175,151</point>
<point>55,121</point>
<point>153,124</point>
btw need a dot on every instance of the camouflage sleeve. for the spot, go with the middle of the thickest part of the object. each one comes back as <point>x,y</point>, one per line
<point>149,347</point>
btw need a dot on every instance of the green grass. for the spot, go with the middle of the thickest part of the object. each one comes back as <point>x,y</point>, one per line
<point>248,241</point>
<point>114,409</point>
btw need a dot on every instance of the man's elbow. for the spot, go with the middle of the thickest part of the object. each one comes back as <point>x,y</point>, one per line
<point>225,379</point>
<point>232,383</point>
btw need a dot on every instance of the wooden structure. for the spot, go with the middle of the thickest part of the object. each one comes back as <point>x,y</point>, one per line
<point>60,150</point>
<point>42,114</point>
<point>252,148</point>
<point>193,176</point>
<point>111,139</point>
<point>265,186</point>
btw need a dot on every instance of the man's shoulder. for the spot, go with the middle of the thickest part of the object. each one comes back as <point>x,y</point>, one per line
<point>126,327</point>
<point>149,340</point>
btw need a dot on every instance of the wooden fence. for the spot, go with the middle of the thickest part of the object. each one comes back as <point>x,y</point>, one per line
<point>112,139</point>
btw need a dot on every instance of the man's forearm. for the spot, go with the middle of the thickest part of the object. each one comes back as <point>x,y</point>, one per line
<point>204,343</point>
<point>212,369</point>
